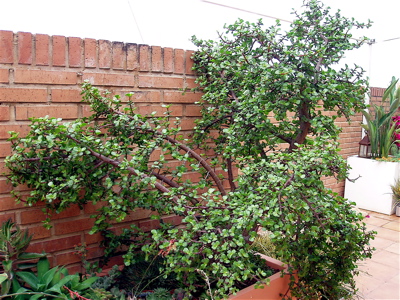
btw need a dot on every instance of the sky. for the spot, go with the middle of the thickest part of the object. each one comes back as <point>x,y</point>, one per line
<point>171,23</point>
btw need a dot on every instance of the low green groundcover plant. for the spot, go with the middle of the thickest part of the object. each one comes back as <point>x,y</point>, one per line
<point>264,134</point>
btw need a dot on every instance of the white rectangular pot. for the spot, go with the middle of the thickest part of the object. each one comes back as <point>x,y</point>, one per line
<point>372,190</point>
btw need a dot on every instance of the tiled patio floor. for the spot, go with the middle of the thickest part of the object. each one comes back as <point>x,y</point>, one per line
<point>379,278</point>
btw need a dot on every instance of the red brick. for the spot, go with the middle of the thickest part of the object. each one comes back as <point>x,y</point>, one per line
<point>3,168</point>
<point>73,226</point>
<point>32,216</point>
<point>5,187</point>
<point>90,53</point>
<point>144,58</point>
<point>59,48</point>
<point>141,96</point>
<point>193,111</point>
<point>4,113</point>
<point>174,220</point>
<point>189,62</point>
<point>6,47</point>
<point>22,95</point>
<point>5,128</point>
<point>75,52</point>
<point>6,217</point>
<point>168,60</point>
<point>68,258</point>
<point>160,82</point>
<point>149,225</point>
<point>107,79</point>
<point>156,59</point>
<point>176,110</point>
<point>45,77</point>
<point>104,54</point>
<point>66,95</point>
<point>118,56</point>
<point>179,61</point>
<point>86,111</point>
<point>132,58</point>
<point>37,111</point>
<point>93,238</point>
<point>187,124</point>
<point>4,75</point>
<point>9,203</point>
<point>42,49</point>
<point>54,245</point>
<point>39,232</point>
<point>190,83</point>
<point>5,149</point>
<point>25,48</point>
<point>179,97</point>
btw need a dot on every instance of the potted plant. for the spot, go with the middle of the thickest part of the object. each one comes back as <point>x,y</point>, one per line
<point>374,175</point>
<point>263,93</point>
<point>396,195</point>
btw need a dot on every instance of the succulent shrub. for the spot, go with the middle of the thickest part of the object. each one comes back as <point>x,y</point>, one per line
<point>266,140</point>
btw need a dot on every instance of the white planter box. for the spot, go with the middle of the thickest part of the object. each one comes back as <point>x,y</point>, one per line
<point>372,190</point>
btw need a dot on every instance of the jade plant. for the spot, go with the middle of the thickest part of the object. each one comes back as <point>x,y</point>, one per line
<point>256,160</point>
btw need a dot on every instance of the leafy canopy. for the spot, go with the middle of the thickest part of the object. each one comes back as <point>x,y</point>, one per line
<point>267,111</point>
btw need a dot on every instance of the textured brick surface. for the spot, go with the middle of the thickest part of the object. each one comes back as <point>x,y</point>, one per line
<point>60,111</point>
<point>4,75</point>
<point>90,53</point>
<point>23,95</point>
<point>144,58</point>
<point>118,56</point>
<point>59,57</point>
<point>104,54</point>
<point>24,48</point>
<point>4,113</point>
<point>42,49</point>
<point>45,77</point>
<point>6,47</point>
<point>75,52</point>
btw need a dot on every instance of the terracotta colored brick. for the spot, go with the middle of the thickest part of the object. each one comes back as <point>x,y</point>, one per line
<point>168,60</point>
<point>54,245</point>
<point>90,53</point>
<point>32,216</point>
<point>118,56</point>
<point>176,110</point>
<point>93,238</point>
<point>5,149</point>
<point>160,82</point>
<point>25,48</point>
<point>72,211</point>
<point>174,220</point>
<point>66,95</point>
<point>132,58</point>
<point>6,217</point>
<point>144,58</point>
<point>45,77</point>
<point>59,48</point>
<point>37,111</point>
<point>189,62</point>
<point>3,168</point>
<point>68,258</point>
<point>39,232</point>
<point>73,226</point>
<point>106,79</point>
<point>187,124</point>
<point>149,225</point>
<point>6,47</point>
<point>5,187</point>
<point>144,96</point>
<point>190,83</point>
<point>22,95</point>
<point>180,97</point>
<point>42,49</point>
<point>104,54</point>
<point>75,51</point>
<point>4,75</point>
<point>9,203</point>
<point>86,111</point>
<point>193,111</point>
<point>4,113</point>
<point>179,61</point>
<point>156,59</point>
<point>5,128</point>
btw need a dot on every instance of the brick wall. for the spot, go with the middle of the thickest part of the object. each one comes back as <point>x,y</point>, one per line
<point>41,75</point>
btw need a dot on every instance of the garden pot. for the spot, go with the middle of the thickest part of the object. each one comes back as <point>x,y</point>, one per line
<point>278,285</point>
<point>398,210</point>
<point>371,190</point>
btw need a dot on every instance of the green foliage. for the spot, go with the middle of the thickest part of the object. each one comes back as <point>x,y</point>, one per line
<point>381,127</point>
<point>250,77</point>
<point>50,283</point>
<point>13,243</point>
<point>159,294</point>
